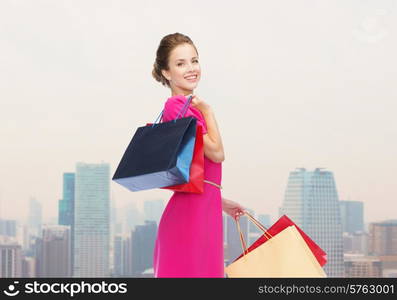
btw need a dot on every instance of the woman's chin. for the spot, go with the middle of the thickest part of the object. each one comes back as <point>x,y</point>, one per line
<point>191,86</point>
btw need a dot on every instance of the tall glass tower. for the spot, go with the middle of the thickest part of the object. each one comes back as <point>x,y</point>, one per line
<point>66,204</point>
<point>35,217</point>
<point>352,214</point>
<point>66,208</point>
<point>311,201</point>
<point>92,220</point>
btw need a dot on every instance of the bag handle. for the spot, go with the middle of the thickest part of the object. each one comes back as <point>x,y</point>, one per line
<point>266,233</point>
<point>259,225</point>
<point>185,107</point>
<point>184,110</point>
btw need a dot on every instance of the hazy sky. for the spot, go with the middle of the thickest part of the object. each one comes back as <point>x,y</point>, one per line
<point>292,83</point>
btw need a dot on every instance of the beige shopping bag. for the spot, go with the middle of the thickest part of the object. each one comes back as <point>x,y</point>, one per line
<point>283,255</point>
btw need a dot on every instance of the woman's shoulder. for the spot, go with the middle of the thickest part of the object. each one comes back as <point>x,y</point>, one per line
<point>175,101</point>
<point>175,104</point>
<point>172,106</point>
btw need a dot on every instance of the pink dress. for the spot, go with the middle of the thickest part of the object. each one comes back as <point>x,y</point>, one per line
<point>189,240</point>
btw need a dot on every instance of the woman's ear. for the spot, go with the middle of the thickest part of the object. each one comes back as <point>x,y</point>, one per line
<point>166,74</point>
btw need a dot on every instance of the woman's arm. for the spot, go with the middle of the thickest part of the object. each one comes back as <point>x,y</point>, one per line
<point>213,147</point>
<point>233,209</point>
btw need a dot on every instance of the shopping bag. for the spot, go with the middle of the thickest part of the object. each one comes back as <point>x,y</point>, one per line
<point>280,225</point>
<point>158,155</point>
<point>285,254</point>
<point>196,177</point>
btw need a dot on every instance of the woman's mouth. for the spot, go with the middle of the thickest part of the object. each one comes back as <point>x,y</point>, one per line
<point>191,78</point>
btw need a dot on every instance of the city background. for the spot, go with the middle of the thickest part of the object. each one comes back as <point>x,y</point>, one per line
<point>92,238</point>
<point>303,94</point>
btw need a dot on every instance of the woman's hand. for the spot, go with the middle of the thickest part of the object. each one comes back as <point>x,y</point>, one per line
<point>199,104</point>
<point>232,208</point>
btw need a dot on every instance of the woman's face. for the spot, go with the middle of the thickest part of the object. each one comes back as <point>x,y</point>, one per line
<point>184,69</point>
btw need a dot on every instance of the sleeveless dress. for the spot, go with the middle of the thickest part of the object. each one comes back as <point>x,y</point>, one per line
<point>189,240</point>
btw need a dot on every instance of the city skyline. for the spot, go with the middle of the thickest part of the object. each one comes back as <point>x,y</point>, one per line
<point>125,250</point>
<point>140,205</point>
<point>312,93</point>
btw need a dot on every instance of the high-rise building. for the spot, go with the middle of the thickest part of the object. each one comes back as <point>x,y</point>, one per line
<point>127,255</point>
<point>66,207</point>
<point>153,210</point>
<point>359,265</point>
<point>143,241</point>
<point>355,242</point>
<point>123,256</point>
<point>91,220</point>
<point>113,229</point>
<point>383,238</point>
<point>311,201</point>
<point>54,252</point>
<point>383,243</point>
<point>10,258</point>
<point>352,216</point>
<point>8,227</point>
<point>66,204</point>
<point>118,257</point>
<point>29,267</point>
<point>34,217</point>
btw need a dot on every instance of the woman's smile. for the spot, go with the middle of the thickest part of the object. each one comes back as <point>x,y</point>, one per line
<point>191,78</point>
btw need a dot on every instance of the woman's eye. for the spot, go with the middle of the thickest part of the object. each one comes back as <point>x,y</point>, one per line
<point>180,64</point>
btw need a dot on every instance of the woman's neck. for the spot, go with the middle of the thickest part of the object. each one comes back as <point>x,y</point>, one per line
<point>180,92</point>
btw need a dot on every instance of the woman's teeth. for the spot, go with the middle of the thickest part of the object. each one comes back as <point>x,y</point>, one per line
<point>191,77</point>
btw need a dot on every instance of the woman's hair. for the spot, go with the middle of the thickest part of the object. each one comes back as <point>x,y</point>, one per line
<point>167,44</point>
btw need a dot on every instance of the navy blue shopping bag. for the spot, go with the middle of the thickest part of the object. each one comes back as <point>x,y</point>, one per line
<point>159,154</point>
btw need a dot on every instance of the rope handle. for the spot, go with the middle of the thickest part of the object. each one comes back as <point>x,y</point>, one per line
<point>258,224</point>
<point>184,110</point>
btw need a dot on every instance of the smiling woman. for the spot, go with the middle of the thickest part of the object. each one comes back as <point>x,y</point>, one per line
<point>190,235</point>
<point>176,61</point>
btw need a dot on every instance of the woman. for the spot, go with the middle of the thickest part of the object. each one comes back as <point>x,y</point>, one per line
<point>190,235</point>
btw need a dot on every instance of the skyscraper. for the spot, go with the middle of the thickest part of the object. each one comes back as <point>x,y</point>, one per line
<point>143,240</point>
<point>8,227</point>
<point>383,243</point>
<point>91,220</point>
<point>359,265</point>
<point>66,204</point>
<point>118,256</point>
<point>10,258</point>
<point>29,267</point>
<point>66,207</point>
<point>355,242</point>
<point>383,238</point>
<point>54,253</point>
<point>311,201</point>
<point>123,256</point>
<point>35,217</point>
<point>352,216</point>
